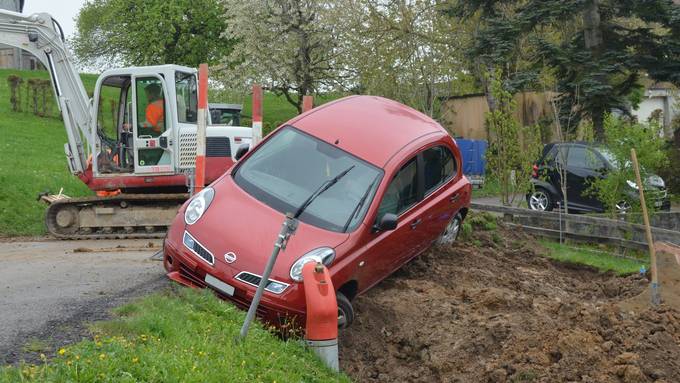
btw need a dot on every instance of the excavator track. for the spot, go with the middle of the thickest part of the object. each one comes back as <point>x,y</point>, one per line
<point>117,217</point>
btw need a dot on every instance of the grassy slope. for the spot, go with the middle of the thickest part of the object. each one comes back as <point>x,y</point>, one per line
<point>32,155</point>
<point>31,161</point>
<point>183,337</point>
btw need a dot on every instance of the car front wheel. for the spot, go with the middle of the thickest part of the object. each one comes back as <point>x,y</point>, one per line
<point>450,234</point>
<point>345,311</point>
<point>540,200</point>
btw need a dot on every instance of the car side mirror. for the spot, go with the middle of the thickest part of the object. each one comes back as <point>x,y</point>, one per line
<point>387,222</point>
<point>241,151</point>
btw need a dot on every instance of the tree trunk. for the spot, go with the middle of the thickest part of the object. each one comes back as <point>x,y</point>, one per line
<point>598,124</point>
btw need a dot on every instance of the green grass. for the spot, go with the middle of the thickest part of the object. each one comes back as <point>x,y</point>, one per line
<point>32,156</point>
<point>491,188</point>
<point>31,161</point>
<point>586,255</point>
<point>186,336</point>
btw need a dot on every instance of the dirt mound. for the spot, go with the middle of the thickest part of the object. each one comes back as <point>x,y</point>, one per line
<point>490,309</point>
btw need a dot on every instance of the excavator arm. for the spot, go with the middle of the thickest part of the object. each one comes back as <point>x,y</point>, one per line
<point>42,36</point>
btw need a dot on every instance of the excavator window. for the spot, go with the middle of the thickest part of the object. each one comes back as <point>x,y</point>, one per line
<point>151,117</point>
<point>115,155</point>
<point>187,97</point>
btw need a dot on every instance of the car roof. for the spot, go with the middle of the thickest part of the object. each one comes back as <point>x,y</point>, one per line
<point>372,128</point>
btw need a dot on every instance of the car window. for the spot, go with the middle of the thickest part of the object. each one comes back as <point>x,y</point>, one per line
<point>402,192</point>
<point>593,161</point>
<point>577,157</point>
<point>439,167</point>
<point>290,166</point>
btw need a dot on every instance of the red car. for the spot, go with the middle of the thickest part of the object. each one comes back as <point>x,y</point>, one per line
<point>397,189</point>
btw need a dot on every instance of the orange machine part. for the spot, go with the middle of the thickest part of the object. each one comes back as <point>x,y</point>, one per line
<point>322,307</point>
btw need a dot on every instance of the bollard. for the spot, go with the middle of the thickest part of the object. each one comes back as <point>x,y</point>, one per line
<point>307,103</point>
<point>199,180</point>
<point>257,115</point>
<point>322,314</point>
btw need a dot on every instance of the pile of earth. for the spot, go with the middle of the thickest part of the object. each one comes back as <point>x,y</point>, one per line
<point>492,309</point>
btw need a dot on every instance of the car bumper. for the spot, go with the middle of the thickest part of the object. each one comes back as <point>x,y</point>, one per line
<point>286,310</point>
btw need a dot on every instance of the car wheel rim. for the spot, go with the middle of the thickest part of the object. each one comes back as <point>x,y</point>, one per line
<point>451,232</point>
<point>623,207</point>
<point>342,318</point>
<point>538,201</point>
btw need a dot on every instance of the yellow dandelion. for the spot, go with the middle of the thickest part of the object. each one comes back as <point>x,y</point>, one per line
<point>98,344</point>
<point>135,360</point>
<point>43,357</point>
<point>77,357</point>
<point>68,363</point>
<point>62,351</point>
<point>102,356</point>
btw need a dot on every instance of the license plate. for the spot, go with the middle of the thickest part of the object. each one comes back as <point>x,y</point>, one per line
<point>219,285</point>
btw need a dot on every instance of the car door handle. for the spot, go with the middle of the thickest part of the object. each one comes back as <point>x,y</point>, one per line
<point>415,223</point>
<point>454,198</point>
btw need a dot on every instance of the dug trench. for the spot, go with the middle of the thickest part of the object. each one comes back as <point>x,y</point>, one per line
<point>490,308</point>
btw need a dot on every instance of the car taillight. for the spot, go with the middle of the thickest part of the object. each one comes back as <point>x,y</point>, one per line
<point>535,172</point>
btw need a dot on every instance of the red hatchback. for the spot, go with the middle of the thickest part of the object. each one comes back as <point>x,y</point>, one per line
<point>397,188</point>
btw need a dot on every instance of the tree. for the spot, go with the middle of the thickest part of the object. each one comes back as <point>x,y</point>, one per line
<point>597,48</point>
<point>410,51</point>
<point>151,32</point>
<point>291,47</point>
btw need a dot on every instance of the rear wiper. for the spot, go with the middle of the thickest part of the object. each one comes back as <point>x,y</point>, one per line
<point>324,186</point>
<point>359,205</point>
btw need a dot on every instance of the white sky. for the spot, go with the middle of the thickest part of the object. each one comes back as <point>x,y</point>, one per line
<point>64,11</point>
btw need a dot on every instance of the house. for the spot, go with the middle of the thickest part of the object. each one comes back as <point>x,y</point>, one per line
<point>659,99</point>
<point>11,57</point>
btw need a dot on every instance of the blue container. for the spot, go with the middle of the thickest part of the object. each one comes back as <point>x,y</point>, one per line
<point>474,156</point>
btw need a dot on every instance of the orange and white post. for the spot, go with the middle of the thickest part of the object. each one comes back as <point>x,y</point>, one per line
<point>307,103</point>
<point>257,114</point>
<point>202,122</point>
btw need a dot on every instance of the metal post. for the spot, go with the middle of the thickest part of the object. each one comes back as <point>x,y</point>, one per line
<point>287,229</point>
<point>656,299</point>
<point>202,122</point>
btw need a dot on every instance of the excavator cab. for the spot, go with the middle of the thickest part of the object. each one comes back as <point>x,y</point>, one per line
<point>139,115</point>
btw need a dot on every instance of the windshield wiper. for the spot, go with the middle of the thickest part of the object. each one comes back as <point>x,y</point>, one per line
<point>359,205</point>
<point>324,186</point>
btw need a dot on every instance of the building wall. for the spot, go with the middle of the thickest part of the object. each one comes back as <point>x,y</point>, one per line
<point>11,57</point>
<point>465,116</point>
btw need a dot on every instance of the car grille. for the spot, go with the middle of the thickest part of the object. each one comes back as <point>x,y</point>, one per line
<point>254,280</point>
<point>192,244</point>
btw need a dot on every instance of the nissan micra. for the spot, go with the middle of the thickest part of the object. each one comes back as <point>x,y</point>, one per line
<point>396,188</point>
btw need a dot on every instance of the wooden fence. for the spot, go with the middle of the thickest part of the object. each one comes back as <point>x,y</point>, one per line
<point>581,227</point>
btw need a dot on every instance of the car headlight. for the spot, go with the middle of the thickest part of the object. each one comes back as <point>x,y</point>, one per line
<point>325,255</point>
<point>632,184</point>
<point>198,205</point>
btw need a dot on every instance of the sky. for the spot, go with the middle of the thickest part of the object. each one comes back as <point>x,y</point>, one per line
<point>64,11</point>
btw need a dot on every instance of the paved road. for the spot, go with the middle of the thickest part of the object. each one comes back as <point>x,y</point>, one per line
<point>50,289</point>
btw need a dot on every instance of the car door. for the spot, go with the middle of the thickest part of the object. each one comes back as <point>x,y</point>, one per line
<point>584,166</point>
<point>385,251</point>
<point>441,199</point>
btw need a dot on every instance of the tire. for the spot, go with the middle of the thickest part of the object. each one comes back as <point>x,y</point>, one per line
<point>450,233</point>
<point>540,200</point>
<point>345,311</point>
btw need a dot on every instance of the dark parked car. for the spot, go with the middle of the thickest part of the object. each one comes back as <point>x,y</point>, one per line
<point>585,162</point>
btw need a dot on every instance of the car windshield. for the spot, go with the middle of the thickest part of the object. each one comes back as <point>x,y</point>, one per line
<point>609,156</point>
<point>290,166</point>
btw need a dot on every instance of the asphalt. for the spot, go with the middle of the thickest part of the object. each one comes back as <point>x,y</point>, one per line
<point>50,290</point>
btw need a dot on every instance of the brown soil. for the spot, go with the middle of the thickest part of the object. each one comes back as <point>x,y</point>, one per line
<point>499,312</point>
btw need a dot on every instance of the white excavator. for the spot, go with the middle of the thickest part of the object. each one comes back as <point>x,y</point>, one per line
<point>133,143</point>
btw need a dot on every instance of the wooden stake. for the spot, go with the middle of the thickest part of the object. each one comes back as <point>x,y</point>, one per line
<point>648,229</point>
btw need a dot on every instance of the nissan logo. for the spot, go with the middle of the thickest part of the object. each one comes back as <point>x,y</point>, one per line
<point>230,257</point>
